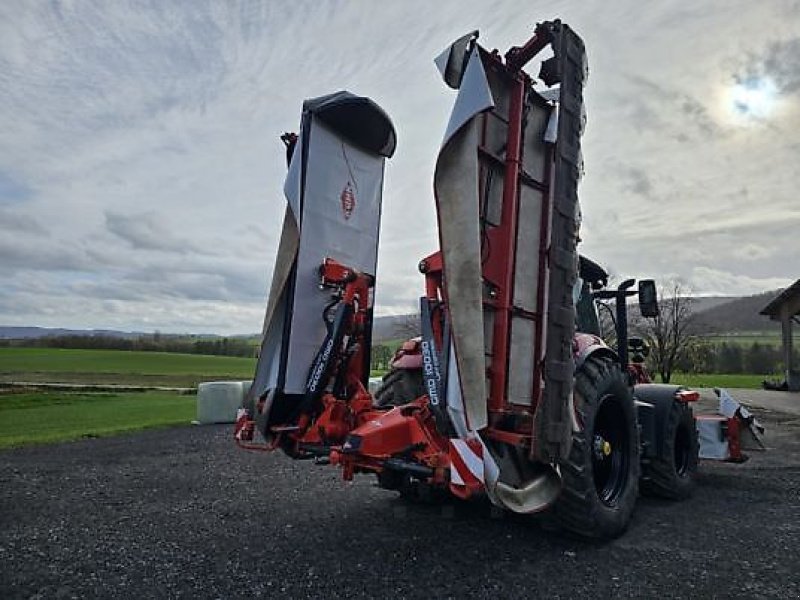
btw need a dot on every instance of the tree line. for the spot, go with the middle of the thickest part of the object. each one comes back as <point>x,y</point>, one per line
<point>233,346</point>
<point>678,338</point>
<point>226,346</point>
<point>676,344</point>
<point>732,358</point>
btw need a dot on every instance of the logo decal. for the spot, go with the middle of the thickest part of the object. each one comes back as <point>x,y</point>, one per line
<point>348,199</point>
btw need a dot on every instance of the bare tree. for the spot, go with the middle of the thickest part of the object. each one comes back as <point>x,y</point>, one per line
<point>606,312</point>
<point>608,322</point>
<point>670,335</point>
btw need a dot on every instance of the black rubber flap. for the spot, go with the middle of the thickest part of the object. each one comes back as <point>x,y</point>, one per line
<point>356,118</point>
<point>553,421</point>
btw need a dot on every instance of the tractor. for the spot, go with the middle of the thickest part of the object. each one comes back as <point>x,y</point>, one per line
<point>510,392</point>
<point>668,443</point>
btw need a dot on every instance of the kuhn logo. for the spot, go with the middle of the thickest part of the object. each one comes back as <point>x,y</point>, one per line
<point>348,199</point>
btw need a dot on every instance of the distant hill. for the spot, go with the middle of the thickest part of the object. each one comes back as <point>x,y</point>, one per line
<point>29,333</point>
<point>736,314</point>
<point>715,314</point>
<point>395,327</point>
<point>21,333</point>
<point>387,328</point>
<point>704,303</point>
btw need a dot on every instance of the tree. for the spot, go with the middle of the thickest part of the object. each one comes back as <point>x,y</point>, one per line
<point>759,359</point>
<point>381,357</point>
<point>701,358</point>
<point>670,334</point>
<point>729,359</point>
<point>606,312</point>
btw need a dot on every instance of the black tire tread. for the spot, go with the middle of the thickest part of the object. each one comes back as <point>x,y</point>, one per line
<point>659,475</point>
<point>553,422</point>
<point>399,386</point>
<point>579,508</point>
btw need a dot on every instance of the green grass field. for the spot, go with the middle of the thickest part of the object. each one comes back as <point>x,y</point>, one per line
<point>120,367</point>
<point>41,417</point>
<point>45,417</point>
<point>750,382</point>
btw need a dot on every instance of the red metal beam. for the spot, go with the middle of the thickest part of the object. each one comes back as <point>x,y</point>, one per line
<point>507,251</point>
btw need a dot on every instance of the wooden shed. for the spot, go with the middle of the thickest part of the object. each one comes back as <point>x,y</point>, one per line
<point>786,308</point>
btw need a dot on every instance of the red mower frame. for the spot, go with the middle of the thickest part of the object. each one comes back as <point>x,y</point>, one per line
<point>341,426</point>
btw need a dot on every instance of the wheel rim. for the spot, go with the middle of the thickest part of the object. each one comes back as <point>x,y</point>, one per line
<point>682,454</point>
<point>610,450</point>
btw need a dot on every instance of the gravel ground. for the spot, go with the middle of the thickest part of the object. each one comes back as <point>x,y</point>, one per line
<point>183,513</point>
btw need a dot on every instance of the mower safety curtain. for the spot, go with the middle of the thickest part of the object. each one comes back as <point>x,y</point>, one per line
<point>456,187</point>
<point>456,190</point>
<point>334,192</point>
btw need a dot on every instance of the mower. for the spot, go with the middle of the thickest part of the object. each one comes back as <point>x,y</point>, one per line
<point>510,392</point>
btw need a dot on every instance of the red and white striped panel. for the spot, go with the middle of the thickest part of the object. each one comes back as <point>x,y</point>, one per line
<point>241,431</point>
<point>466,466</point>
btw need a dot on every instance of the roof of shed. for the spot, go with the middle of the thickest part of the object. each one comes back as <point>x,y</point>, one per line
<point>791,293</point>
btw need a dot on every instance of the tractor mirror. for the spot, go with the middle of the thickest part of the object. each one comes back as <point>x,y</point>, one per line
<point>648,298</point>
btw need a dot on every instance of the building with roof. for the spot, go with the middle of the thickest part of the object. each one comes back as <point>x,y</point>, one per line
<point>786,308</point>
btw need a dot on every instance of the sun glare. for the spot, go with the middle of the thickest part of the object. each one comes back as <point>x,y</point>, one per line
<point>752,100</point>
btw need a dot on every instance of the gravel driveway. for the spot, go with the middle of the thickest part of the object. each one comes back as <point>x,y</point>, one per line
<point>183,513</point>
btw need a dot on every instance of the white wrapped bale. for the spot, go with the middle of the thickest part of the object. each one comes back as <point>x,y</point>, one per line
<point>374,384</point>
<point>218,401</point>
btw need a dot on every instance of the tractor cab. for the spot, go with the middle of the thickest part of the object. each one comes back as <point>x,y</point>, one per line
<point>592,277</point>
<point>589,295</point>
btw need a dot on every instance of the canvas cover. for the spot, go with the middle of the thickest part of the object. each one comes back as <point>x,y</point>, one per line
<point>218,401</point>
<point>455,188</point>
<point>469,183</point>
<point>333,191</point>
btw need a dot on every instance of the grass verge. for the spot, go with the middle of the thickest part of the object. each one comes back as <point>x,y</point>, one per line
<point>46,417</point>
<point>710,380</point>
<point>119,367</point>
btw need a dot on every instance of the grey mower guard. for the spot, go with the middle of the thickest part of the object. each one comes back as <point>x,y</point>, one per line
<point>334,191</point>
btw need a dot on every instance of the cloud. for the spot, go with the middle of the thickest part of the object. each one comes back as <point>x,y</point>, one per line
<point>141,172</point>
<point>779,61</point>
<point>751,251</point>
<point>12,191</point>
<point>724,283</point>
<point>24,252</point>
<point>662,108</point>
<point>637,181</point>
<point>144,231</point>
<point>15,221</point>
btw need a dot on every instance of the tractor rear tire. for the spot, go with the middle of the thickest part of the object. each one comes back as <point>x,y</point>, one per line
<point>399,387</point>
<point>601,474</point>
<point>671,474</point>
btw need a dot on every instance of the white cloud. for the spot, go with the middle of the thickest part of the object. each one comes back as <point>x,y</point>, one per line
<point>144,231</point>
<point>707,281</point>
<point>141,174</point>
<point>753,252</point>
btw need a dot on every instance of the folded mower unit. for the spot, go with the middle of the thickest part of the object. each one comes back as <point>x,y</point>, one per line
<point>510,391</point>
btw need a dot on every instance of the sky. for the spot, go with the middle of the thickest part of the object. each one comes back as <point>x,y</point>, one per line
<point>141,171</point>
